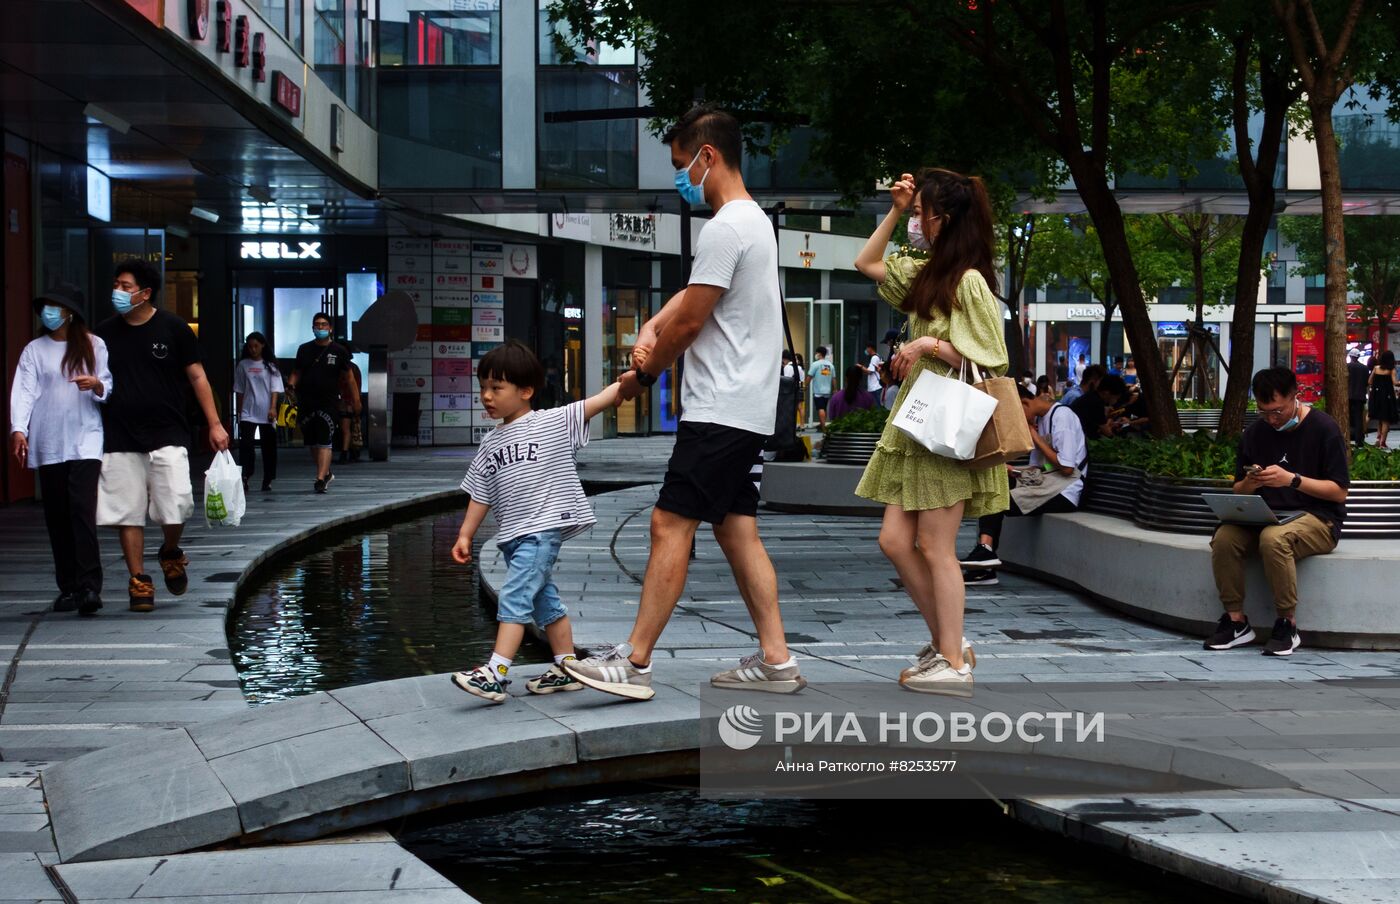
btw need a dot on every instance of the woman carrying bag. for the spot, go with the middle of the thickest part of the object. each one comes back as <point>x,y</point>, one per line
<point>56,428</point>
<point>953,318</point>
<point>257,383</point>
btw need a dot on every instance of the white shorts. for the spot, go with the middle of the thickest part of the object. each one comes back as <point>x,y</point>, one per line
<point>137,484</point>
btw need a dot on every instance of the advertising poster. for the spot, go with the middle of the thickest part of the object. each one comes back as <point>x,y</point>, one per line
<point>1308,360</point>
<point>451,316</point>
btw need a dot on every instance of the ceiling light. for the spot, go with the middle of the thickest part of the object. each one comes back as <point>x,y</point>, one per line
<point>203,214</point>
<point>108,119</point>
<point>178,231</point>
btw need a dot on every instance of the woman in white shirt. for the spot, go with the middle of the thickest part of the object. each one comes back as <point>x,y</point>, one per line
<point>56,428</point>
<point>257,383</point>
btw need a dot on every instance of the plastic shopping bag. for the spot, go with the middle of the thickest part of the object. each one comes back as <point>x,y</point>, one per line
<point>223,492</point>
<point>944,415</point>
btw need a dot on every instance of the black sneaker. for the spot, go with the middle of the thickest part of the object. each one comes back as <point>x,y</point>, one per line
<point>319,486</point>
<point>982,577</point>
<point>66,601</point>
<point>1229,634</point>
<point>982,556</point>
<point>1284,640</point>
<point>89,603</point>
<point>267,486</point>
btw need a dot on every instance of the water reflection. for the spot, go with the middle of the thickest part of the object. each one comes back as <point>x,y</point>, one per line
<point>385,604</point>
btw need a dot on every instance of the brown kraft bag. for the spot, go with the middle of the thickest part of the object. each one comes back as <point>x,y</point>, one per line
<point>1007,436</point>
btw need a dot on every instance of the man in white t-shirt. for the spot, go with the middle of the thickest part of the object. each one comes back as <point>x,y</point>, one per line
<point>728,323</point>
<point>1060,454</point>
<point>872,370</point>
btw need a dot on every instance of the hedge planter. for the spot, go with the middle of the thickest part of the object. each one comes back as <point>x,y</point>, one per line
<point>1175,505</point>
<point>1208,418</point>
<point>849,448</point>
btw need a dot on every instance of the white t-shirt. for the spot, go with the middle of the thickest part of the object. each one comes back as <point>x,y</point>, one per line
<point>61,422</point>
<point>257,381</point>
<point>1061,428</point>
<point>729,374</point>
<point>525,471</point>
<point>872,379</point>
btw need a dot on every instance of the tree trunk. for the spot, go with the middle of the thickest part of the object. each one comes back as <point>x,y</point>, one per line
<point>1334,330</point>
<point>1106,329</point>
<point>1015,348</point>
<point>1198,342</point>
<point>1137,322</point>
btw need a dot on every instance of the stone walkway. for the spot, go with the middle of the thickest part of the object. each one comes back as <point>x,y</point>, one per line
<point>75,685</point>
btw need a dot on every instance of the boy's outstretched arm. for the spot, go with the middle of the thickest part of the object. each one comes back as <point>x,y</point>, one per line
<point>608,398</point>
<point>462,549</point>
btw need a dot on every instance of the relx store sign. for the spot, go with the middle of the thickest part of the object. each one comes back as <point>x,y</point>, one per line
<point>279,251</point>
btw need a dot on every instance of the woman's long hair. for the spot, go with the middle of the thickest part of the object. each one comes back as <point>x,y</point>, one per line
<point>964,242</point>
<point>855,383</point>
<point>267,358</point>
<point>78,357</point>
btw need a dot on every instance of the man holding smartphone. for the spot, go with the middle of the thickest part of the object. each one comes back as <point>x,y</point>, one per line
<point>1295,458</point>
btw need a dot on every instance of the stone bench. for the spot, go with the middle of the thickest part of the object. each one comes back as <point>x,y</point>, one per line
<point>1166,578</point>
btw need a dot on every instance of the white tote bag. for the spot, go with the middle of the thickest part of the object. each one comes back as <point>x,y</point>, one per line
<point>944,415</point>
<point>223,492</point>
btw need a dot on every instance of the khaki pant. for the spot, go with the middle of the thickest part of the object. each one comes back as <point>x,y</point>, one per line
<point>1280,546</point>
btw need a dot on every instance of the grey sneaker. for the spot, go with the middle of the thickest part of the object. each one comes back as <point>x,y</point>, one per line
<point>939,677</point>
<point>556,679</point>
<point>481,682</point>
<point>924,657</point>
<point>753,674</point>
<point>612,673</point>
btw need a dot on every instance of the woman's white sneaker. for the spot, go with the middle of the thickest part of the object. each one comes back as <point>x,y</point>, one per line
<point>939,677</point>
<point>926,654</point>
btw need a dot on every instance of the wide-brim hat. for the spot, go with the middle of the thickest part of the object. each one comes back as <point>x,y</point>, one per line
<point>64,296</point>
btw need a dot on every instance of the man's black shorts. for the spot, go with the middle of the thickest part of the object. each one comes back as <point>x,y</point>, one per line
<point>820,402</point>
<point>317,428</point>
<point>711,473</point>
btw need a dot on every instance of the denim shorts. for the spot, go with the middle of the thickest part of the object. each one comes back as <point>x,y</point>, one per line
<point>529,594</point>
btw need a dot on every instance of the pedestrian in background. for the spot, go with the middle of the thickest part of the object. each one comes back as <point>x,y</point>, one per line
<point>953,317</point>
<point>1383,407</point>
<point>56,429</point>
<point>821,375</point>
<point>891,387</point>
<point>256,385</point>
<point>154,358</point>
<point>1357,377</point>
<point>854,397</point>
<point>321,374</point>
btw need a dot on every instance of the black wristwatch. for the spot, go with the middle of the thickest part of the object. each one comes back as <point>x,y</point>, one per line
<point>644,378</point>
<point>1296,482</point>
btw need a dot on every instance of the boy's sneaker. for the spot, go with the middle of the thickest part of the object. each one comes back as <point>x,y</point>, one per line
<point>1230,634</point>
<point>612,673</point>
<point>753,674</point>
<point>982,556</point>
<point>925,656</point>
<point>939,677</point>
<point>1284,640</point>
<point>173,563</point>
<point>556,679</point>
<point>481,682</point>
<point>142,591</point>
<point>982,577</point>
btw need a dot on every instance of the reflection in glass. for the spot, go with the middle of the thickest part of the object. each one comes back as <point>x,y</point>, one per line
<point>439,33</point>
<point>329,39</point>
<point>587,154</point>
<point>439,128</point>
<point>590,53</point>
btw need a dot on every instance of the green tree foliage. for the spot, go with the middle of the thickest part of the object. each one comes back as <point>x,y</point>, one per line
<point>1373,261</point>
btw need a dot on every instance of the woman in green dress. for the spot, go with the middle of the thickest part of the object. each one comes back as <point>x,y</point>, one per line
<point>952,316</point>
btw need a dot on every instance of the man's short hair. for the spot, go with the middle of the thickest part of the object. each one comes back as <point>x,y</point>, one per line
<point>322,315</point>
<point>1027,394</point>
<point>1273,383</point>
<point>705,124</point>
<point>143,273</point>
<point>821,350</point>
<point>1114,384</point>
<point>512,362</point>
<point>1094,372</point>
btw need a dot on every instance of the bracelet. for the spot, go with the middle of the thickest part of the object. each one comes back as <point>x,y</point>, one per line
<point>935,346</point>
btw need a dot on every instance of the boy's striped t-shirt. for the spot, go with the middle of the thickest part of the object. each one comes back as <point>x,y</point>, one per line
<point>526,472</point>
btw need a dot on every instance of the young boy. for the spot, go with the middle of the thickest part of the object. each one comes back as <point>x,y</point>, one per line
<point>525,469</point>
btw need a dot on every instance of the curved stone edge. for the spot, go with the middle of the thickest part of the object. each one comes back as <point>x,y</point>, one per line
<point>1166,579</point>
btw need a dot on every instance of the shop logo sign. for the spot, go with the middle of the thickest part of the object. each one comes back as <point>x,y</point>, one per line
<point>275,251</point>
<point>198,15</point>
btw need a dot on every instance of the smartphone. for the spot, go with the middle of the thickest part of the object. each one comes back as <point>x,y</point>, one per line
<point>1252,470</point>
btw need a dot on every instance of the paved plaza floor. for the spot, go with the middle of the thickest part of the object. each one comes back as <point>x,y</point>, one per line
<point>75,685</point>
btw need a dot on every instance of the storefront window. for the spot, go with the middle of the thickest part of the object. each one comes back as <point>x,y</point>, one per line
<point>440,128</point>
<point>286,17</point>
<point>599,154</point>
<point>439,33</point>
<point>329,40</point>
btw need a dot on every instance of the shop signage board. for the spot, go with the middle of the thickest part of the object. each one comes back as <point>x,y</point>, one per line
<point>462,333</point>
<point>408,383</point>
<point>417,367</point>
<point>453,350</point>
<point>488,333</point>
<point>460,417</point>
<point>521,262</point>
<point>489,317</point>
<point>487,283</point>
<point>488,299</point>
<point>451,265</point>
<point>454,369</point>
<point>451,298</point>
<point>488,266</point>
<point>578,226</point>
<point>416,350</point>
<point>1308,360</point>
<point>445,401</point>
<point>408,281</point>
<point>452,249</point>
<point>632,229</point>
<point>453,384</point>
<point>425,331</point>
<point>405,245</point>
<point>410,263</point>
<point>451,316</point>
<point>460,282</point>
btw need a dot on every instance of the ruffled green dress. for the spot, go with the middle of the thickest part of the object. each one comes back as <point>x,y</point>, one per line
<point>904,473</point>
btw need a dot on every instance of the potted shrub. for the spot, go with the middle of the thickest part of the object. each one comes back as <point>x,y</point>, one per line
<point>851,438</point>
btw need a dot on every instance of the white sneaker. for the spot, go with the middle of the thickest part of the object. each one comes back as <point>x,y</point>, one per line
<point>926,654</point>
<point>753,674</point>
<point>939,677</point>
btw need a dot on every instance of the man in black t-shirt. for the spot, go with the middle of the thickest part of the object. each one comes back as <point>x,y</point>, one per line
<point>1092,407</point>
<point>1358,381</point>
<point>154,358</point>
<point>1294,457</point>
<point>321,373</point>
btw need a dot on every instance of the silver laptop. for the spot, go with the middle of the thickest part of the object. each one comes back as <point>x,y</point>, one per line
<point>1233,508</point>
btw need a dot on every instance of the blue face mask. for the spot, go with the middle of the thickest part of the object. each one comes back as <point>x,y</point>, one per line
<point>692,194</point>
<point>322,334</point>
<point>1291,422</point>
<point>121,301</point>
<point>52,315</point>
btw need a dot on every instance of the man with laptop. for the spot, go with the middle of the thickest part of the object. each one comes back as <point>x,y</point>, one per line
<point>1294,460</point>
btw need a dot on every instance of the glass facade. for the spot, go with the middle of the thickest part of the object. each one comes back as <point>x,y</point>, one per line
<point>440,128</point>
<point>589,53</point>
<point>439,33</point>
<point>599,154</point>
